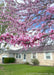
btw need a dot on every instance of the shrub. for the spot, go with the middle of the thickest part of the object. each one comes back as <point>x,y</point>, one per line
<point>27,63</point>
<point>9,60</point>
<point>35,61</point>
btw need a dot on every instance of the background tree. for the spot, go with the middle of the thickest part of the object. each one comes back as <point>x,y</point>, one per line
<point>28,15</point>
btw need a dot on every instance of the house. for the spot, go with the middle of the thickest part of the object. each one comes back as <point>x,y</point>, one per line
<point>45,55</point>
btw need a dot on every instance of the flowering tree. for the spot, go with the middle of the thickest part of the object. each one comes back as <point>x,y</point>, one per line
<point>20,18</point>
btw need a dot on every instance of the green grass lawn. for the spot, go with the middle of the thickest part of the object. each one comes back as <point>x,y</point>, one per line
<point>22,69</point>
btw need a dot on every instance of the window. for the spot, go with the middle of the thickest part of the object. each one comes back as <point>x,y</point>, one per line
<point>24,56</point>
<point>48,55</point>
<point>33,55</point>
<point>18,55</point>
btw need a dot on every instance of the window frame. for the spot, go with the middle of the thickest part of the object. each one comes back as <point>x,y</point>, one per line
<point>32,56</point>
<point>18,56</point>
<point>24,57</point>
<point>46,56</point>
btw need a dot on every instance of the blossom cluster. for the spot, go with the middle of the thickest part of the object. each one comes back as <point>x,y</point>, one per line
<point>25,40</point>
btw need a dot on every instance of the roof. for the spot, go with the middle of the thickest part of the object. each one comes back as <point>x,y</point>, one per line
<point>48,48</point>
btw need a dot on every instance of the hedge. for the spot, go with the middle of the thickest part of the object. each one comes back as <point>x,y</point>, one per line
<point>9,60</point>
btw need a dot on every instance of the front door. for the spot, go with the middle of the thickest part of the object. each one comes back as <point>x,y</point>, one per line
<point>24,59</point>
<point>2,59</point>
